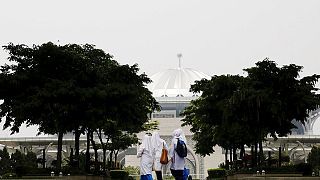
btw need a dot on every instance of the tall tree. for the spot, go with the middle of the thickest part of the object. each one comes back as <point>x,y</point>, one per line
<point>211,115</point>
<point>264,102</point>
<point>70,88</point>
<point>5,162</point>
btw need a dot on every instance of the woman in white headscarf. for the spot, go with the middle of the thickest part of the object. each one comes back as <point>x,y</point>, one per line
<point>177,162</point>
<point>145,152</point>
<point>158,144</point>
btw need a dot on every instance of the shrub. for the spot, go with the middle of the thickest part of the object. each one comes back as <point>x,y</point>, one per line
<point>133,170</point>
<point>216,173</point>
<point>38,172</point>
<point>9,175</point>
<point>314,157</point>
<point>119,174</point>
<point>304,168</point>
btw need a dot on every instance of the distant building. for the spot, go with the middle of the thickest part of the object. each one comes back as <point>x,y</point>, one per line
<point>171,88</point>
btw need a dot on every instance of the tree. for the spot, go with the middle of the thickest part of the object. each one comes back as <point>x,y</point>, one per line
<point>70,88</point>
<point>22,163</point>
<point>40,89</point>
<point>264,102</point>
<point>278,96</point>
<point>5,162</point>
<point>211,115</point>
<point>121,103</point>
<point>314,157</point>
<point>120,141</point>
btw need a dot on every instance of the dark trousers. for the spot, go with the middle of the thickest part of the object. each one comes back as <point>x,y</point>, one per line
<point>177,174</point>
<point>159,175</point>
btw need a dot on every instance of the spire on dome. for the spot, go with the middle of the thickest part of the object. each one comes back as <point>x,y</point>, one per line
<point>179,56</point>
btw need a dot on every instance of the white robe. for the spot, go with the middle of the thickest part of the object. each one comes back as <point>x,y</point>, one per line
<point>145,152</point>
<point>177,162</point>
<point>158,143</point>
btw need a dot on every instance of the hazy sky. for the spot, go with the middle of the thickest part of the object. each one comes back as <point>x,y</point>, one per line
<point>215,37</point>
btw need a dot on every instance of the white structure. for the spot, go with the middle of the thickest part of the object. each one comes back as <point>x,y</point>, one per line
<point>171,88</point>
<point>175,82</point>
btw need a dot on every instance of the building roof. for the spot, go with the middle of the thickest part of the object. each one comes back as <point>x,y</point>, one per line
<point>175,82</point>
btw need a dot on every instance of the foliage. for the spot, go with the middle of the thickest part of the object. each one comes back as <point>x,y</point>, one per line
<point>39,172</point>
<point>9,175</point>
<point>23,163</point>
<point>235,110</point>
<point>285,159</point>
<point>122,140</point>
<point>71,87</point>
<point>304,168</point>
<point>216,173</point>
<point>5,162</point>
<point>151,125</point>
<point>210,116</point>
<point>133,170</point>
<point>314,157</point>
<point>119,174</point>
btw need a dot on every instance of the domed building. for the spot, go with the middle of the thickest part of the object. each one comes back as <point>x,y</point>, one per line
<point>171,88</point>
<point>175,82</point>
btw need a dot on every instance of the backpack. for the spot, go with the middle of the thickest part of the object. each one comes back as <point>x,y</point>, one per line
<point>181,148</point>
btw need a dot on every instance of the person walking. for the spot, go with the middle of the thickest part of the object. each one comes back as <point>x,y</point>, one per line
<point>158,144</point>
<point>145,152</point>
<point>177,162</point>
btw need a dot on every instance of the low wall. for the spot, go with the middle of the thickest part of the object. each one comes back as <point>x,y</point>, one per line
<point>271,177</point>
<point>62,178</point>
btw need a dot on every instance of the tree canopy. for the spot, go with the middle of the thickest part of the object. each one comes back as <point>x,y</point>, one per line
<point>64,88</point>
<point>235,110</point>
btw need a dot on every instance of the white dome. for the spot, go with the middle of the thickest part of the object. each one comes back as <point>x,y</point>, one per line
<point>175,82</point>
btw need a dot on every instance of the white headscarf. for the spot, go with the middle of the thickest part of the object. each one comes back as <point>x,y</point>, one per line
<point>146,143</point>
<point>156,140</point>
<point>178,133</point>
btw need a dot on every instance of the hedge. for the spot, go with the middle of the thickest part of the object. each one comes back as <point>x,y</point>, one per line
<point>216,173</point>
<point>119,174</point>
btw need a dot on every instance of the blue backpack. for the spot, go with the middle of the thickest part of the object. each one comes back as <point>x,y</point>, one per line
<point>181,148</point>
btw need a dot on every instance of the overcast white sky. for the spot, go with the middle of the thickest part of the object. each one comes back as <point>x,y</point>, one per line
<point>215,37</point>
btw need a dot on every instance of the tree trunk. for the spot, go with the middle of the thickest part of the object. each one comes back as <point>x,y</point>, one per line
<point>252,156</point>
<point>110,160</point>
<point>255,154</point>
<point>242,152</point>
<point>88,152</point>
<point>96,164</point>
<point>104,148</point>
<point>115,158</point>
<point>235,158</point>
<point>77,135</point>
<point>59,153</point>
<point>269,158</point>
<point>226,159</point>
<point>44,158</point>
<point>71,157</point>
<point>260,154</point>
<point>104,159</point>
<point>231,161</point>
<point>280,156</point>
